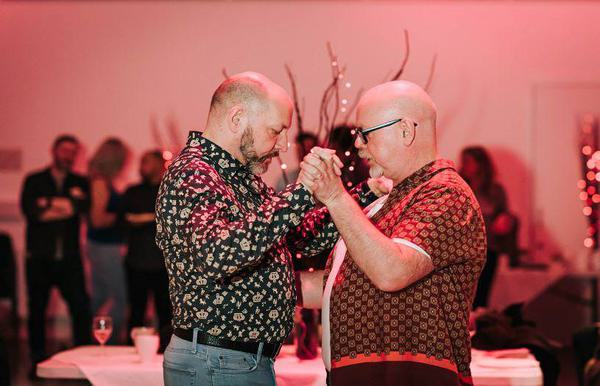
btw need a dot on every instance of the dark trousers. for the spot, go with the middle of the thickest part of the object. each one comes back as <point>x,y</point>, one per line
<point>486,279</point>
<point>140,284</point>
<point>4,364</point>
<point>68,276</point>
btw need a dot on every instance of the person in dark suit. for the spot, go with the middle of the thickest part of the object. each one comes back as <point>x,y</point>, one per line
<point>53,201</point>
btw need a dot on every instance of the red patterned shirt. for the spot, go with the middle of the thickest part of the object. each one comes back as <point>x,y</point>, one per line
<point>418,335</point>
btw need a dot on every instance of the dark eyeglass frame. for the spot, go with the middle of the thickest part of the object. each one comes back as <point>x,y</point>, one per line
<point>362,133</point>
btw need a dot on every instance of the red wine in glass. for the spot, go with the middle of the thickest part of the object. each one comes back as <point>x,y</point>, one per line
<point>102,329</point>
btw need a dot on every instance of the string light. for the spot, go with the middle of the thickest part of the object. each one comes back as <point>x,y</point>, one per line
<point>348,85</point>
<point>591,190</point>
<point>284,166</point>
<point>589,184</point>
<point>167,155</point>
<point>591,164</point>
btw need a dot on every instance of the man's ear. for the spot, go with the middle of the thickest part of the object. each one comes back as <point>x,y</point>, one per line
<point>407,132</point>
<point>237,119</point>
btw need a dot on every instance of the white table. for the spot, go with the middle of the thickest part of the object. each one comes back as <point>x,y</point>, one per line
<point>505,368</point>
<point>121,366</point>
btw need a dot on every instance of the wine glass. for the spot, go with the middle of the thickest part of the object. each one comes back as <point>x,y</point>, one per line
<point>102,328</point>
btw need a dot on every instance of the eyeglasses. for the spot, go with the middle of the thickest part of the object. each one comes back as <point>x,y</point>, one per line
<point>362,133</point>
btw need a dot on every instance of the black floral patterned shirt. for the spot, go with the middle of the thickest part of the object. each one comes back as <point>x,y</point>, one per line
<point>228,238</point>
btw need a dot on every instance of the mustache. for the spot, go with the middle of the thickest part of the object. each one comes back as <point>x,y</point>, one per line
<point>265,157</point>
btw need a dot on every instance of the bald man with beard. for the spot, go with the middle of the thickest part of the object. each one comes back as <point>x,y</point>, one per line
<point>228,238</point>
<point>401,281</point>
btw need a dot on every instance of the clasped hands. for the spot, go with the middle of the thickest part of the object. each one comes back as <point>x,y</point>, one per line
<point>320,172</point>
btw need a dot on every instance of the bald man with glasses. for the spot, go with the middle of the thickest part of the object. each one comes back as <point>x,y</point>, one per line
<point>400,282</point>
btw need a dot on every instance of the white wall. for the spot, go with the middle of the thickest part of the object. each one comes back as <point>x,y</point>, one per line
<point>99,69</point>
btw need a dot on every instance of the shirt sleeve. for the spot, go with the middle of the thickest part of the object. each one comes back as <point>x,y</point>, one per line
<point>317,232</point>
<point>445,222</point>
<point>29,205</point>
<point>223,246</point>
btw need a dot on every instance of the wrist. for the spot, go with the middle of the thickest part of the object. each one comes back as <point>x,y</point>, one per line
<point>339,200</point>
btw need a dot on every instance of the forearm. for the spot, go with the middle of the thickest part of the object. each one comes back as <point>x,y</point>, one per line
<point>318,233</point>
<point>140,218</point>
<point>225,247</point>
<point>371,250</point>
<point>389,265</point>
<point>52,214</point>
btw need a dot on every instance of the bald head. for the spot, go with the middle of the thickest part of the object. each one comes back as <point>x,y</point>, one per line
<point>403,99</point>
<point>409,141</point>
<point>250,89</point>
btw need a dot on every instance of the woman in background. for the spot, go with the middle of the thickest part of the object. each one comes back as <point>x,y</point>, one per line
<point>478,171</point>
<point>105,236</point>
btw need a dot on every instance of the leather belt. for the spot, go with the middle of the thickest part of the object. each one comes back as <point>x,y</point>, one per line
<point>269,349</point>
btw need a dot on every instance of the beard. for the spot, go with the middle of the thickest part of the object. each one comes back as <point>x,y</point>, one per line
<point>64,165</point>
<point>257,164</point>
<point>375,171</point>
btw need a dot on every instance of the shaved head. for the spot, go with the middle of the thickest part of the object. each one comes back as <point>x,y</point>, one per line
<point>249,117</point>
<point>250,89</point>
<point>409,142</point>
<point>402,98</point>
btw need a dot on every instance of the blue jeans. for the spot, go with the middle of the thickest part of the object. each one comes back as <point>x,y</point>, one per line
<point>189,364</point>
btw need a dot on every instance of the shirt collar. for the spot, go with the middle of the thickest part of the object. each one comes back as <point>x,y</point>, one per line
<point>223,161</point>
<point>421,176</point>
